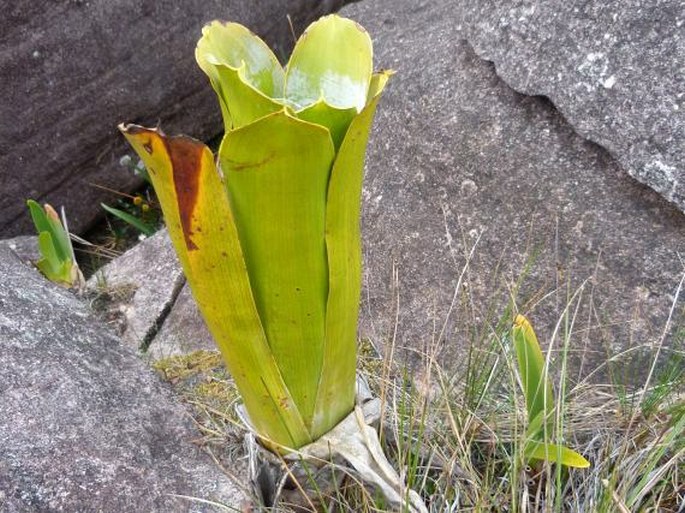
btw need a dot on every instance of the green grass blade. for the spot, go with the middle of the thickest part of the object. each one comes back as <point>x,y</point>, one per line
<point>277,173</point>
<point>139,225</point>
<point>671,444</point>
<point>335,396</point>
<point>332,61</point>
<point>202,228</point>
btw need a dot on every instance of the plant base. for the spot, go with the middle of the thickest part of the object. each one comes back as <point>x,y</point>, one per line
<point>314,474</point>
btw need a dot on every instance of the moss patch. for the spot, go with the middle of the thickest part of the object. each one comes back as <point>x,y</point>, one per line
<point>175,369</point>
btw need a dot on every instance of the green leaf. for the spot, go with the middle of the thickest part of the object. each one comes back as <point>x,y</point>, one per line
<point>233,45</point>
<point>337,121</point>
<point>539,399</point>
<point>60,236</point>
<point>139,225</point>
<point>40,219</point>
<point>52,267</point>
<point>50,263</point>
<point>378,83</point>
<point>243,71</point>
<point>537,426</point>
<point>537,388</point>
<point>277,171</point>
<point>332,61</point>
<point>270,240</point>
<point>555,454</point>
<point>46,219</point>
<point>343,243</point>
<point>244,103</point>
<point>203,230</point>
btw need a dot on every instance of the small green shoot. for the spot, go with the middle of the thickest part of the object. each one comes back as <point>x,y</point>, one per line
<point>145,228</point>
<point>539,395</point>
<point>136,211</point>
<point>57,262</point>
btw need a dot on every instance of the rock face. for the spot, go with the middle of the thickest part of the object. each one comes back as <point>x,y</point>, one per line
<point>25,248</point>
<point>72,71</point>
<point>145,295</point>
<point>459,158</point>
<point>141,286</point>
<point>183,331</point>
<point>615,69</point>
<point>84,425</point>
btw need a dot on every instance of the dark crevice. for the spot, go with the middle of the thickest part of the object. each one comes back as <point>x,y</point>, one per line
<point>159,322</point>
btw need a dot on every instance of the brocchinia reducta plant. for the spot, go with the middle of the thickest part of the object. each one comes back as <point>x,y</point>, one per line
<point>268,234</point>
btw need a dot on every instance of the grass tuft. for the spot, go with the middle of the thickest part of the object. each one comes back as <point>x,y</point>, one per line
<point>457,436</point>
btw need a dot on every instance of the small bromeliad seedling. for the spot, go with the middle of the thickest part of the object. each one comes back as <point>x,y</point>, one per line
<point>57,262</point>
<point>539,396</point>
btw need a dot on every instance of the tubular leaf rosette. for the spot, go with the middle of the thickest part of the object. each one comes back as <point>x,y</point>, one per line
<point>268,233</point>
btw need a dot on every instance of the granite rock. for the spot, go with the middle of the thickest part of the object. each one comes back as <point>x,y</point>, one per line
<point>84,424</point>
<point>137,290</point>
<point>615,69</point>
<point>71,71</point>
<point>144,296</point>
<point>25,247</point>
<point>457,158</point>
